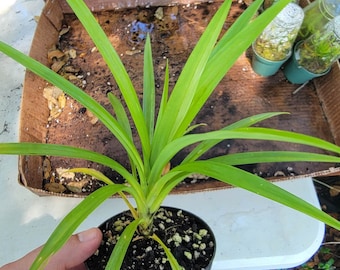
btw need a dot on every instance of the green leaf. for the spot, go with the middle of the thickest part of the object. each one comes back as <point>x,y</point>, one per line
<point>41,149</point>
<point>242,21</point>
<point>117,69</point>
<point>149,89</point>
<point>246,122</point>
<point>286,136</point>
<point>257,185</point>
<point>119,251</point>
<point>228,50</point>
<point>169,181</point>
<point>162,187</point>
<point>121,115</point>
<point>92,172</point>
<point>274,156</point>
<point>123,120</point>
<point>101,177</point>
<point>165,94</point>
<point>71,222</point>
<point>253,133</point>
<point>172,260</point>
<point>99,111</point>
<point>185,88</point>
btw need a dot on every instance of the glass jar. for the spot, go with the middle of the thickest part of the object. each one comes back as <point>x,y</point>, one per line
<point>317,15</point>
<point>317,53</point>
<point>276,41</point>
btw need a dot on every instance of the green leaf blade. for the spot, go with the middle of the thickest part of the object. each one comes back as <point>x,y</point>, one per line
<point>121,115</point>
<point>226,53</point>
<point>71,222</point>
<point>247,133</point>
<point>185,89</point>
<point>40,149</point>
<point>259,186</point>
<point>172,260</point>
<point>117,69</point>
<point>246,122</point>
<point>273,156</point>
<point>99,111</point>
<point>149,89</point>
<point>118,254</point>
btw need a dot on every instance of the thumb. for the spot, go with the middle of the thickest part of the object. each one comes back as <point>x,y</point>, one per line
<point>71,256</point>
<point>77,249</point>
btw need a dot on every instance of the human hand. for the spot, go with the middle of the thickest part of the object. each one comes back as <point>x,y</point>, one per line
<point>71,256</point>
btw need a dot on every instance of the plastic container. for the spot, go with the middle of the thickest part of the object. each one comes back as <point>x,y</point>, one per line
<point>314,56</point>
<point>317,15</point>
<point>296,73</point>
<point>276,41</point>
<point>322,49</point>
<point>265,67</point>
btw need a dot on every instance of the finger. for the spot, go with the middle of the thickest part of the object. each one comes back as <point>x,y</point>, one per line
<point>77,250</point>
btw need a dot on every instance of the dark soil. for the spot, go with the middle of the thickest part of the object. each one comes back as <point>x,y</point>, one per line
<point>189,239</point>
<point>240,94</point>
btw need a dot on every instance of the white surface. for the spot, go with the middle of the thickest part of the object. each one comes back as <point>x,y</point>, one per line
<point>251,232</point>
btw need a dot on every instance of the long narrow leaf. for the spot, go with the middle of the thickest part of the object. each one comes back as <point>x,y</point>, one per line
<point>244,19</point>
<point>71,222</point>
<point>121,115</point>
<point>149,89</point>
<point>252,133</point>
<point>172,260</point>
<point>164,100</point>
<point>118,254</point>
<point>101,177</point>
<point>287,136</point>
<point>186,86</point>
<point>227,51</point>
<point>166,183</point>
<point>116,67</point>
<point>257,185</point>
<point>99,111</point>
<point>40,149</point>
<point>273,156</point>
<point>246,122</point>
<point>92,172</point>
<point>123,120</point>
<point>162,187</point>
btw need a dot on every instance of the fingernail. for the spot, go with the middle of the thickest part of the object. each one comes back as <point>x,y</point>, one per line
<point>87,235</point>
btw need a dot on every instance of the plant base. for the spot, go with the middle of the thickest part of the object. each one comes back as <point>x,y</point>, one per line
<point>190,239</point>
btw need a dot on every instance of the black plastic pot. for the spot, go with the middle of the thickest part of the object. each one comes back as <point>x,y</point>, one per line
<point>190,239</point>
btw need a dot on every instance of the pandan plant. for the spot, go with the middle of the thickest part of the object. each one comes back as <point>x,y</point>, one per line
<point>165,133</point>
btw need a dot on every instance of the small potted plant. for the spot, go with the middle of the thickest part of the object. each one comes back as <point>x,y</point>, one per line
<point>149,178</point>
<point>273,47</point>
<point>317,14</point>
<point>314,56</point>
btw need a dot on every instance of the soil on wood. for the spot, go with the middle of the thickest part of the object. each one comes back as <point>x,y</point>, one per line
<point>174,32</point>
<point>188,237</point>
